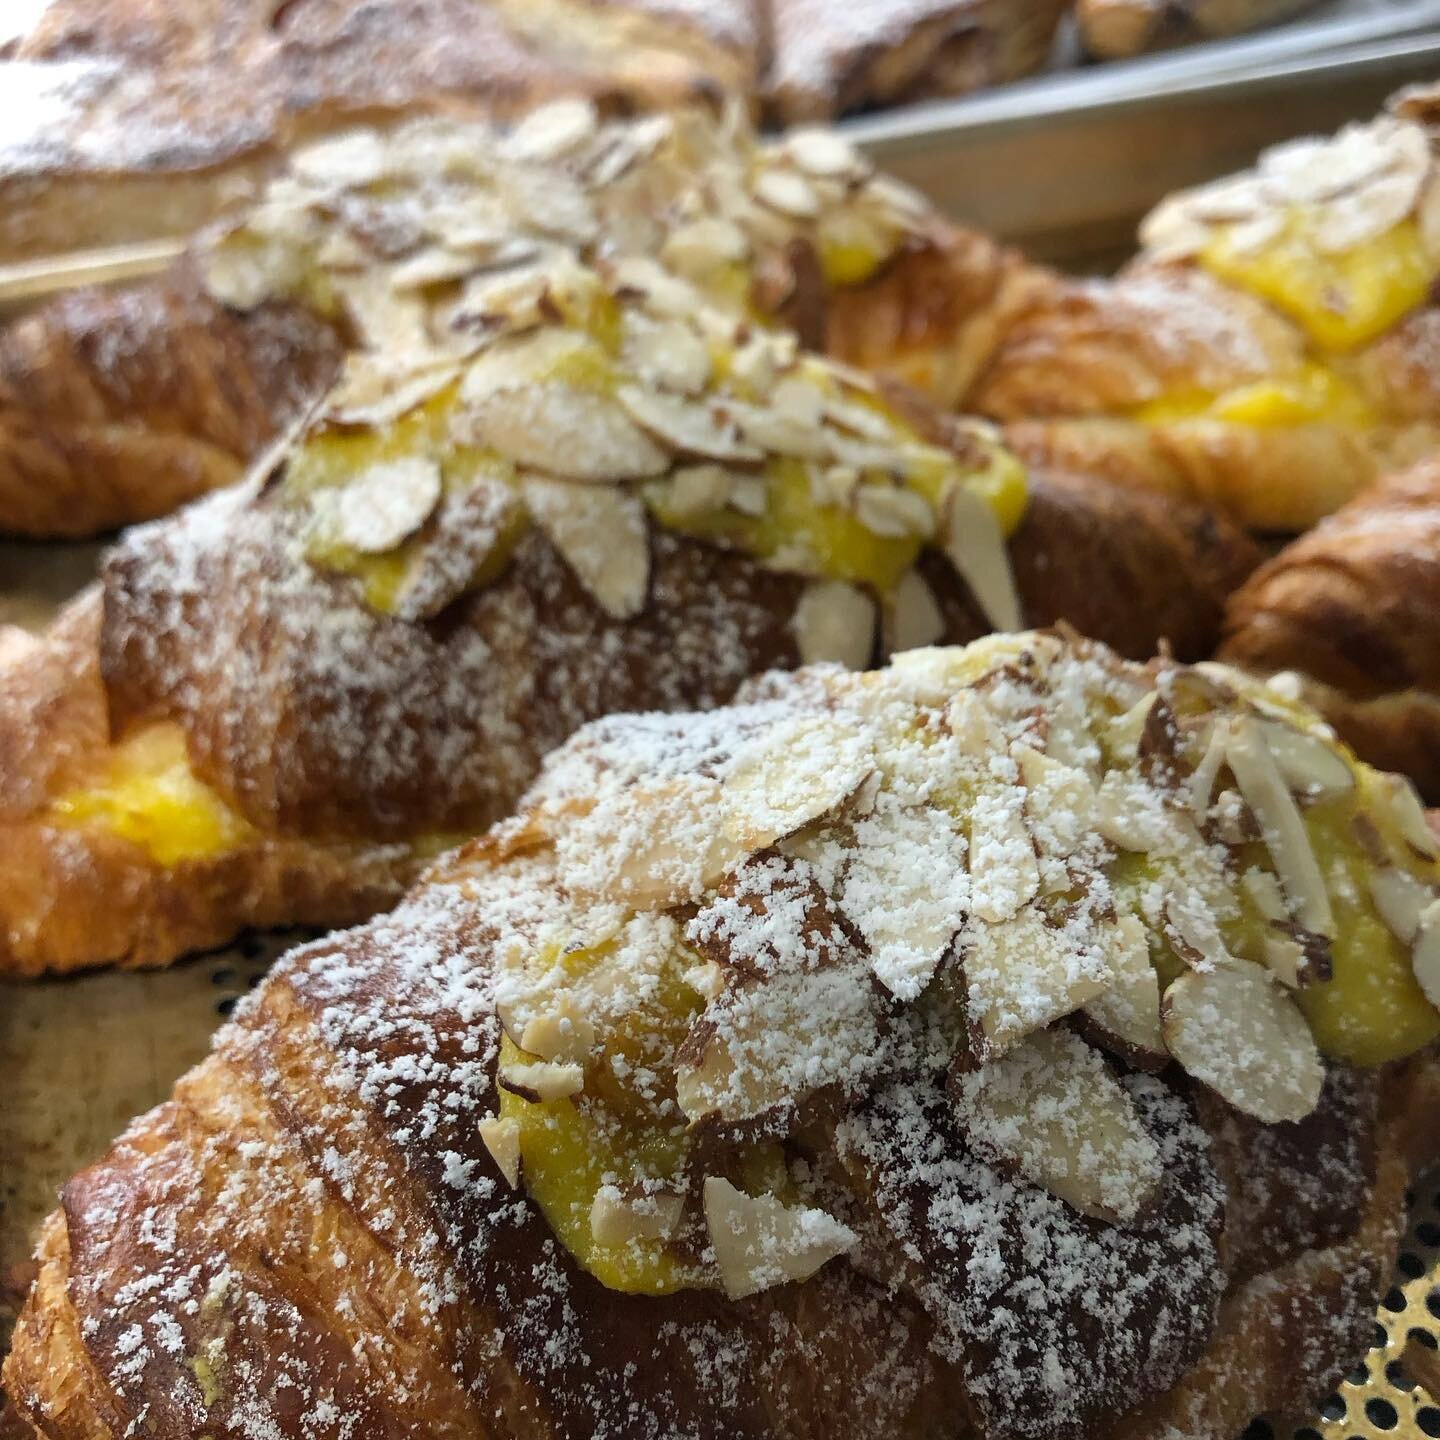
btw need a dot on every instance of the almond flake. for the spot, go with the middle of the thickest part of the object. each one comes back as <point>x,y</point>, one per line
<point>1401,899</point>
<point>553,130</point>
<point>561,1035</point>
<point>975,545</point>
<point>912,616</point>
<point>797,772</point>
<point>1352,220</point>
<point>1125,1018</point>
<point>666,354</point>
<point>1425,957</point>
<point>1059,801</point>
<point>787,192</point>
<point>551,202</point>
<point>699,248</point>
<point>1236,1030</point>
<point>1281,824</point>
<point>375,390</point>
<point>687,426</point>
<point>835,621</point>
<point>345,162</point>
<point>823,153</point>
<point>602,532</point>
<point>386,504</point>
<point>386,321</point>
<point>1050,1110</point>
<point>244,275</point>
<point>1002,855</point>
<point>501,1139</point>
<point>1396,802</point>
<point>541,1081</point>
<point>698,490</point>
<point>761,1242</point>
<point>434,265</point>
<point>887,511</point>
<point>618,1219</point>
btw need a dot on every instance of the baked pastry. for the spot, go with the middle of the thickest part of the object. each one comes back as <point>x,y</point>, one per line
<point>931,1052</point>
<point>620,498</point>
<point>116,404</point>
<point>1351,607</point>
<point>1265,352</point>
<point>1118,29</point>
<point>134,122</point>
<point>828,60</point>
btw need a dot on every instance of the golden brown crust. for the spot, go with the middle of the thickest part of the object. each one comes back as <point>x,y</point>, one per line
<point>830,60</point>
<point>1118,29</point>
<point>1352,606</point>
<point>120,405</point>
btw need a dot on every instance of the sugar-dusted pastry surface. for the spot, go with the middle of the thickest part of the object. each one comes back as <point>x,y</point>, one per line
<point>1267,350</point>
<point>877,1054</point>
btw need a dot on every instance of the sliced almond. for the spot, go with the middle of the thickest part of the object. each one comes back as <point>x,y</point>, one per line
<point>375,390</point>
<point>620,1219</point>
<point>823,153</point>
<point>1401,899</point>
<point>1296,957</point>
<point>1128,812</point>
<point>346,161</point>
<point>1312,767</point>
<point>1234,1029</point>
<point>1124,732</point>
<point>553,130</point>
<point>434,265</point>
<point>243,274</point>
<point>1024,973</point>
<point>701,247</point>
<point>699,490</point>
<point>547,199</point>
<point>541,1081</point>
<point>603,534</point>
<point>1051,1110</point>
<point>760,1242</point>
<point>1394,799</point>
<point>1005,874</point>
<point>386,321</point>
<point>501,1139</point>
<point>889,511</point>
<point>975,545</point>
<point>666,354</point>
<point>1425,957</point>
<point>687,426</point>
<point>1265,893</point>
<point>1207,772</point>
<point>386,504</point>
<point>1193,934</point>
<point>836,622</point>
<point>562,1034</point>
<point>1059,801</point>
<point>1125,1018</point>
<point>792,774</point>
<point>787,192</point>
<point>566,432</point>
<point>912,616</point>
<point>1282,826</point>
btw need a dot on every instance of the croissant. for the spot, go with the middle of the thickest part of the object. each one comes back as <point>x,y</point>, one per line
<point>907,1053</point>
<point>1266,352</point>
<point>1118,29</point>
<point>624,499</point>
<point>1351,606</point>
<point>116,405</point>
<point>828,60</point>
<point>136,123</point>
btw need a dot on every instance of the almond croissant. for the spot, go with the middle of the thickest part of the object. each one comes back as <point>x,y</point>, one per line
<point>117,405</point>
<point>892,1054</point>
<point>632,501</point>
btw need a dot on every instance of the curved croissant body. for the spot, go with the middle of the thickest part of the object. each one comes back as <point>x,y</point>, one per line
<point>348,1217</point>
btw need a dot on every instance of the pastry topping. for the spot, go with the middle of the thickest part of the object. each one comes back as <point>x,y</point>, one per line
<point>1425,958</point>
<point>386,504</point>
<point>1051,1111</point>
<point>975,545</point>
<point>551,131</point>
<point>562,1035</point>
<point>1233,1028</point>
<point>1312,767</point>
<point>787,192</point>
<point>1281,825</point>
<point>824,154</point>
<point>603,533</point>
<point>691,428</point>
<point>835,622</point>
<point>1399,806</point>
<point>1297,957</point>
<point>1401,899</point>
<point>542,1081</point>
<point>1125,1018</point>
<point>378,389</point>
<point>502,1140</point>
<point>617,1218</point>
<point>762,1242</point>
<point>912,615</point>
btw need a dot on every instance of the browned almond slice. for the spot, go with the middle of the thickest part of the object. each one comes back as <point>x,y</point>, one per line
<point>1296,957</point>
<point>1311,767</point>
<point>1282,826</point>
<point>760,1242</point>
<point>1401,899</point>
<point>1125,1018</point>
<point>502,1139</point>
<point>617,1218</point>
<point>542,1080</point>
<point>1425,957</point>
<point>835,621</point>
<point>1124,732</point>
<point>792,774</point>
<point>386,504</point>
<point>912,616</point>
<point>687,426</point>
<point>1394,799</point>
<point>1234,1029</point>
<point>602,532</point>
<point>1005,874</point>
<point>975,545</point>
<point>1051,1110</point>
<point>1024,973</point>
